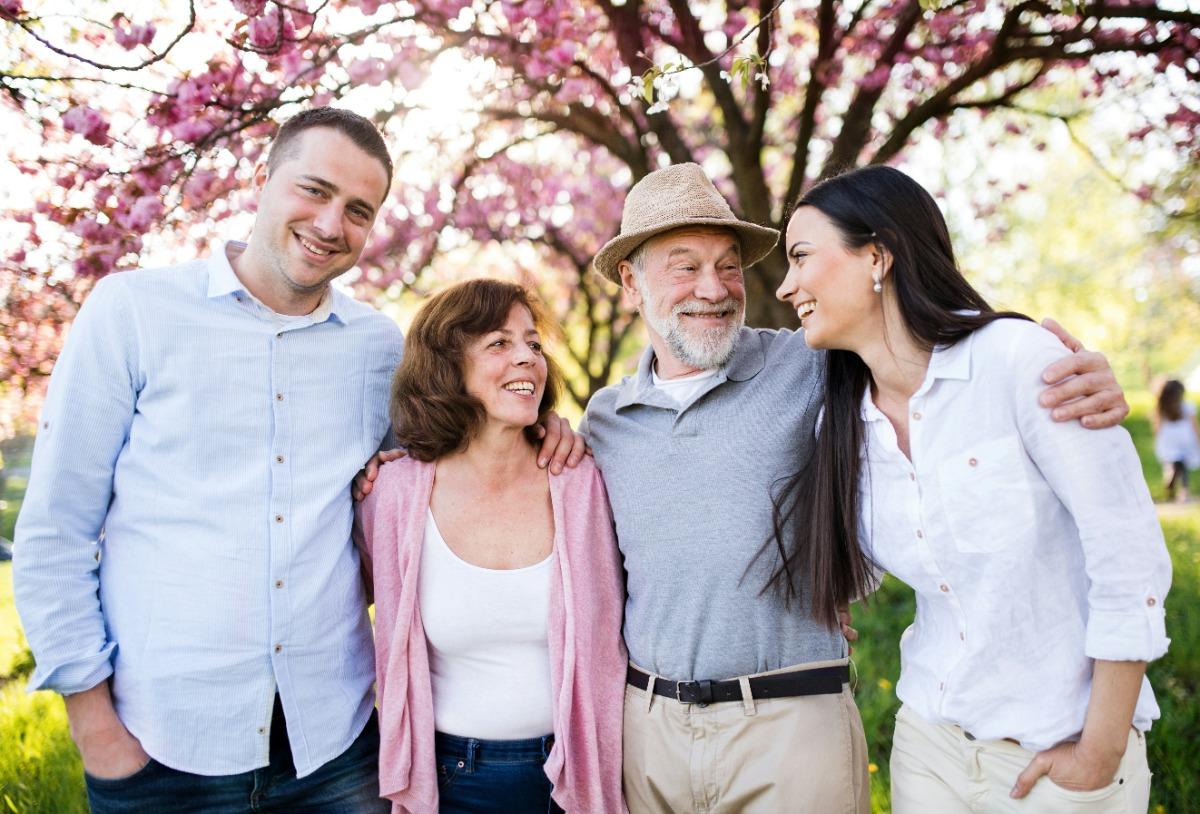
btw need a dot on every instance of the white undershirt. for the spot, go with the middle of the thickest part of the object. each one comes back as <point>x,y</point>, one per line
<point>489,652</point>
<point>685,388</point>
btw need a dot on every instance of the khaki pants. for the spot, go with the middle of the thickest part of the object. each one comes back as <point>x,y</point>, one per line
<point>937,769</point>
<point>803,754</point>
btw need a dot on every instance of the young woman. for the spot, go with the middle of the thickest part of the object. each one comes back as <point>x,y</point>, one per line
<point>1033,547</point>
<point>497,586</point>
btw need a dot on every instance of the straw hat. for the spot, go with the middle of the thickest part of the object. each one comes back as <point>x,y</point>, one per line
<point>679,195</point>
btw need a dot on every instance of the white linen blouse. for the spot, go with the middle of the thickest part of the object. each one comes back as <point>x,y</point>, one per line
<point>1033,546</point>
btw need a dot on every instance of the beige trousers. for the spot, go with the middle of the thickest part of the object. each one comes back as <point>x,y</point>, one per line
<point>937,769</point>
<point>803,754</point>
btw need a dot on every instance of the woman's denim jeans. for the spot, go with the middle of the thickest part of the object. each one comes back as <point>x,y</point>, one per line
<point>493,777</point>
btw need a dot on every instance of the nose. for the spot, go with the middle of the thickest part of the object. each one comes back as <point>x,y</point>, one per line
<point>787,289</point>
<point>328,222</point>
<point>709,286</point>
<point>523,355</point>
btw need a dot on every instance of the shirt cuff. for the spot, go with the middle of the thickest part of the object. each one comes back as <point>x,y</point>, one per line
<point>1140,635</point>
<point>75,676</point>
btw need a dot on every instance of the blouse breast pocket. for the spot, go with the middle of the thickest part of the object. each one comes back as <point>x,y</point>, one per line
<point>986,496</point>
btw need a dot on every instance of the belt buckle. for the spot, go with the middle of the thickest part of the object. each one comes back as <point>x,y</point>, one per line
<point>703,692</point>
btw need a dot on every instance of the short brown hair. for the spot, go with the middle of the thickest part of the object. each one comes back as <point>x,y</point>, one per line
<point>361,131</point>
<point>432,412</point>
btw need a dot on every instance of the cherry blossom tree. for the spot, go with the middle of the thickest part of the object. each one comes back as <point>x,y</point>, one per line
<point>148,127</point>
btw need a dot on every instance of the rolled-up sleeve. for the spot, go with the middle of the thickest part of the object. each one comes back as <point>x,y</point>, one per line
<point>83,427</point>
<point>1098,477</point>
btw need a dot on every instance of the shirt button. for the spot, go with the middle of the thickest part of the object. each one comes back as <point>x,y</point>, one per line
<point>916,416</point>
<point>279,396</point>
<point>941,686</point>
<point>972,462</point>
<point>912,475</point>
<point>262,730</point>
<point>920,534</point>
<point>278,648</point>
<point>278,459</point>
<point>279,335</point>
<point>279,583</point>
<point>944,588</point>
<point>1151,602</point>
<point>962,636</point>
<point>279,518</point>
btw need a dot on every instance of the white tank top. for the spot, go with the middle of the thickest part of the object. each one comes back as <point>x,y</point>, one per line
<point>488,643</point>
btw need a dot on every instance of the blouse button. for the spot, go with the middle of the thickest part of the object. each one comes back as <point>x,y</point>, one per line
<point>973,462</point>
<point>944,588</point>
<point>912,475</point>
<point>916,416</point>
<point>1151,602</point>
<point>920,534</point>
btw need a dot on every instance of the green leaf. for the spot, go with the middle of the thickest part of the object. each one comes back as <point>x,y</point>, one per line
<point>648,84</point>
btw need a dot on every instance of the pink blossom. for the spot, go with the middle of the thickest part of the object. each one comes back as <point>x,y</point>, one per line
<point>130,36</point>
<point>86,122</point>
<point>265,32</point>
<point>142,215</point>
<point>11,8</point>
<point>251,8</point>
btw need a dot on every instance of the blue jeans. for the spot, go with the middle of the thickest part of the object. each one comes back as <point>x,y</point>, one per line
<point>493,777</point>
<point>348,784</point>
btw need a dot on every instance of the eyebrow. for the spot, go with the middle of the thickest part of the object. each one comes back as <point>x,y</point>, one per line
<point>797,243</point>
<point>331,187</point>
<point>680,250</point>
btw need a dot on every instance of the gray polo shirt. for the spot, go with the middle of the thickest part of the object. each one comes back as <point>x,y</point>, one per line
<point>691,493</point>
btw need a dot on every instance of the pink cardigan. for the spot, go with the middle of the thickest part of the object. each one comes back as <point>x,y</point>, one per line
<point>587,655</point>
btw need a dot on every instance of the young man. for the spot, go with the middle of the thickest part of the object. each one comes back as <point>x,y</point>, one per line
<point>690,447</point>
<point>184,570</point>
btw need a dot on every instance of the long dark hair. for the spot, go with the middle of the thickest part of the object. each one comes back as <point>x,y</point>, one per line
<point>816,511</point>
<point>1170,401</point>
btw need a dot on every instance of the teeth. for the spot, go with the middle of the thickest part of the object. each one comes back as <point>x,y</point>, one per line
<point>805,309</point>
<point>520,387</point>
<point>312,248</point>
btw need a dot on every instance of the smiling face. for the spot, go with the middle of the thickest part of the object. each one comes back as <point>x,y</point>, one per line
<point>506,370</point>
<point>691,293</point>
<point>315,211</point>
<point>830,286</point>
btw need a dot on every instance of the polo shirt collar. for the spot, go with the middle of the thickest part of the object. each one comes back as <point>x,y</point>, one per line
<point>222,281</point>
<point>748,359</point>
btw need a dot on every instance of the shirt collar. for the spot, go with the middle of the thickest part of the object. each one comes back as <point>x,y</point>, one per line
<point>946,362</point>
<point>748,359</point>
<point>222,281</point>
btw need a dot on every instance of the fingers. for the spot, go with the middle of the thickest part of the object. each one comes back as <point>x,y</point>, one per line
<point>389,455</point>
<point>361,486</point>
<point>1037,767</point>
<point>579,448</point>
<point>1067,339</point>
<point>551,435</point>
<point>1086,361</point>
<point>565,447</point>
<point>1097,408</point>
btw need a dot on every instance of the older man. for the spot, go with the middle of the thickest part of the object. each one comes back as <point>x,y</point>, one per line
<point>735,702</point>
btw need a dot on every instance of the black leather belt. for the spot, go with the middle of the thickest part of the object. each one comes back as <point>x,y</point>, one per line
<point>818,681</point>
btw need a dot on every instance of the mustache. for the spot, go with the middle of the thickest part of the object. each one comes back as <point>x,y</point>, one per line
<point>706,308</point>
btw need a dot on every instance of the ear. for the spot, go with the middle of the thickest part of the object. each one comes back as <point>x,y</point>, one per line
<point>881,260</point>
<point>261,174</point>
<point>629,284</point>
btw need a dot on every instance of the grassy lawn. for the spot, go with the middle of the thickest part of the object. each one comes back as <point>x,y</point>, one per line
<point>40,771</point>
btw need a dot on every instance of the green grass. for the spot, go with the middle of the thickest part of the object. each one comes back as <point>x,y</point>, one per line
<point>40,770</point>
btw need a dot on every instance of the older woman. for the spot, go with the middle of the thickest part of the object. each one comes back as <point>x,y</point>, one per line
<point>497,585</point>
<point>1033,547</point>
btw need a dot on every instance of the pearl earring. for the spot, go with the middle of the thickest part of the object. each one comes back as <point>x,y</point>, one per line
<point>878,286</point>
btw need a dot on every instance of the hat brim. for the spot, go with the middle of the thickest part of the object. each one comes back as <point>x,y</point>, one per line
<point>756,242</point>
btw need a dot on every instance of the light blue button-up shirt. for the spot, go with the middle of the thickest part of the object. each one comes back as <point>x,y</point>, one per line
<point>187,524</point>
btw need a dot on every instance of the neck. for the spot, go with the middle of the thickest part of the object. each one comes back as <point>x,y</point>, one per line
<point>898,364</point>
<point>252,270</point>
<point>667,366</point>
<point>496,455</point>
